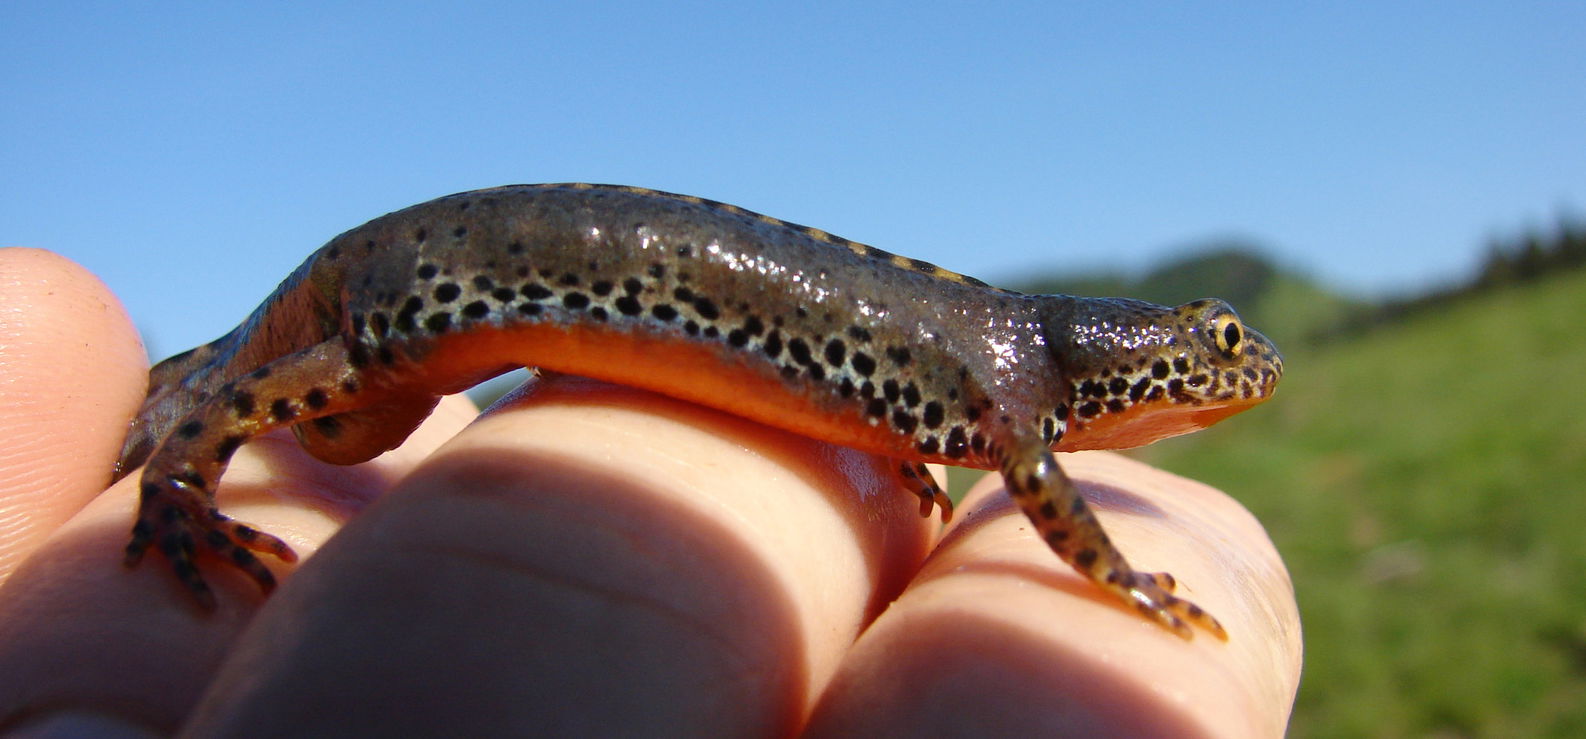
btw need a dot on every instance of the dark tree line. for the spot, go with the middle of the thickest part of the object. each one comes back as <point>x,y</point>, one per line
<point>1515,260</point>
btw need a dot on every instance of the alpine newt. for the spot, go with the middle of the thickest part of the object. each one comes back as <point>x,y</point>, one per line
<point>780,323</point>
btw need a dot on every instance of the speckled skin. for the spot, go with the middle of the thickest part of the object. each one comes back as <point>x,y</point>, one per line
<point>780,323</point>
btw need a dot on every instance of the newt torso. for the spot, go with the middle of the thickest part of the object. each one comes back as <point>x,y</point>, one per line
<point>780,323</point>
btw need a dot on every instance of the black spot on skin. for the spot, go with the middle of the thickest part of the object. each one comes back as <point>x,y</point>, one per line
<point>1085,558</point>
<point>817,372</point>
<point>706,309</point>
<point>602,288</point>
<point>438,322</point>
<point>957,443</point>
<point>632,286</point>
<point>658,270</point>
<point>459,232</point>
<point>846,388</point>
<point>737,337</point>
<point>799,351</point>
<point>1196,380</point>
<point>282,410</point>
<point>1159,369</point>
<point>977,442</point>
<point>412,306</point>
<point>863,363</point>
<point>421,235</point>
<point>316,398</point>
<point>535,291</point>
<point>1089,409</point>
<point>358,323</point>
<point>428,271</point>
<point>530,309</point>
<point>790,371</point>
<point>483,283</point>
<point>773,345</point>
<point>628,305</point>
<point>476,309</point>
<point>504,294</point>
<point>664,312</point>
<point>332,252</point>
<point>683,295</point>
<point>876,407</point>
<point>227,447</point>
<point>598,313</point>
<point>350,385</point>
<point>835,352</point>
<point>1118,386</point>
<point>381,323</point>
<point>1061,412</point>
<point>358,356</point>
<point>576,300</point>
<point>891,391</point>
<point>899,355</point>
<point>859,333</point>
<point>1048,510</point>
<point>385,354</point>
<point>1137,392</point>
<point>1181,366</point>
<point>933,415</point>
<point>903,421</point>
<point>690,327</point>
<point>515,248</point>
<point>929,446</point>
<point>190,429</point>
<point>569,279</point>
<point>867,389</point>
<point>754,327</point>
<point>911,395</point>
<point>242,404</point>
<point>1048,427</point>
<point>1115,406</point>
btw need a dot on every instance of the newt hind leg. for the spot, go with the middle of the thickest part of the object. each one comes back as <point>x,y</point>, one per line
<point>176,508</point>
<point>1065,522</point>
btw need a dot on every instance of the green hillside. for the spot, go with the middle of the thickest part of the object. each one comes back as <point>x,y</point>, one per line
<point>1426,483</point>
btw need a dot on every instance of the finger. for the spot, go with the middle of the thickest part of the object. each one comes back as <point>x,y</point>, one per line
<point>72,373</point>
<point>80,635</point>
<point>591,558</point>
<point>996,632</point>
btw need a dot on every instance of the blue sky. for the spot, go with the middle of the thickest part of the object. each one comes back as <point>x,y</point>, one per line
<point>193,153</point>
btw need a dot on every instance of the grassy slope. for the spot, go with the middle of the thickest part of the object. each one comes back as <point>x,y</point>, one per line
<point>1426,484</point>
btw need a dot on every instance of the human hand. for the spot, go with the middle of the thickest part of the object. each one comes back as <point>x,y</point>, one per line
<point>591,559</point>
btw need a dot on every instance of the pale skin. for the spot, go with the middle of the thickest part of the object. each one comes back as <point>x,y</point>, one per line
<point>591,559</point>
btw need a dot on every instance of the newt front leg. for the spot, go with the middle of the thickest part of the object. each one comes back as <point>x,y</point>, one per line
<point>1065,522</point>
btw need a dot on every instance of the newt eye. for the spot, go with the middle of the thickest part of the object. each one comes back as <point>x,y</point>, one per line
<point>1230,335</point>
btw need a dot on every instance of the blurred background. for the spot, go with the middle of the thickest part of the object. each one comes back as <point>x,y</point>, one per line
<point>1393,192</point>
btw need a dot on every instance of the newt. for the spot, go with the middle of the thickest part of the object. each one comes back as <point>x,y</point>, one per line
<point>783,324</point>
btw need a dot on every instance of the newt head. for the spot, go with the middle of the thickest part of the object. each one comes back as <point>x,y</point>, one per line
<point>1140,372</point>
